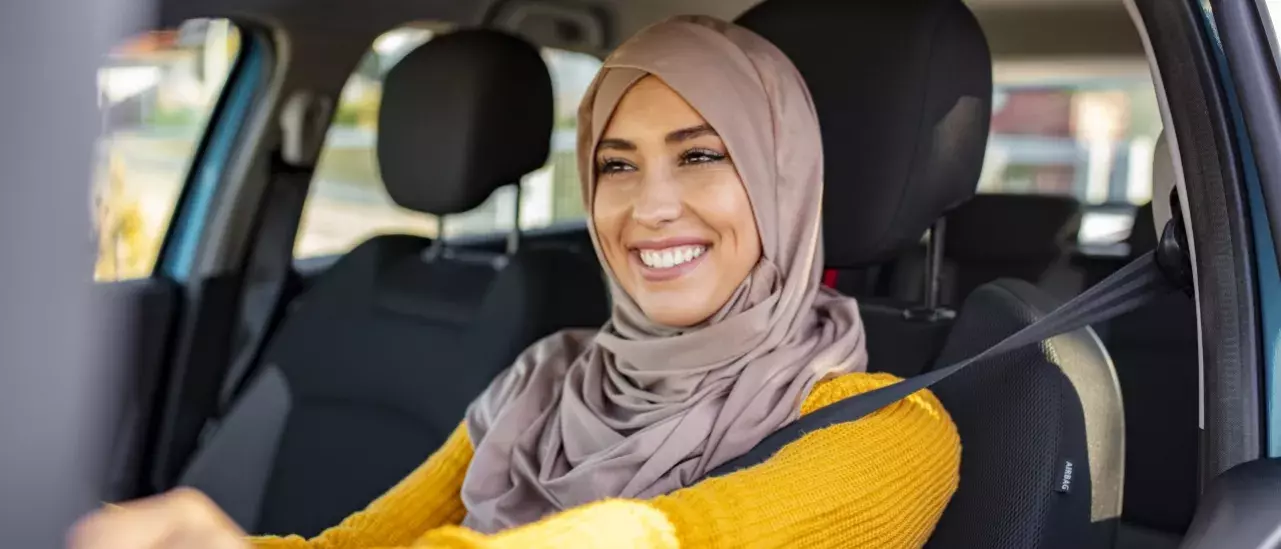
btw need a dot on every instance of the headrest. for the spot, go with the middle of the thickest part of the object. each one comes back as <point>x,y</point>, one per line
<point>903,90</point>
<point>1012,227</point>
<point>462,115</point>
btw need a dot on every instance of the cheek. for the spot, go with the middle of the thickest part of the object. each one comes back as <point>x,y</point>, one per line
<point>724,206</point>
<point>609,213</point>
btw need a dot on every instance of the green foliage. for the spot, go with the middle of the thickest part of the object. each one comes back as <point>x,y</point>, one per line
<point>174,118</point>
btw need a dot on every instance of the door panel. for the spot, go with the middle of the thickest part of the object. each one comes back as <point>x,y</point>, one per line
<point>135,319</point>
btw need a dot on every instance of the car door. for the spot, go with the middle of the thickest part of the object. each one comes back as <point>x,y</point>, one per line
<point>169,102</point>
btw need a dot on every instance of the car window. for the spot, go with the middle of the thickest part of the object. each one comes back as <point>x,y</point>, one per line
<point>347,203</point>
<point>1080,130</point>
<point>156,92</point>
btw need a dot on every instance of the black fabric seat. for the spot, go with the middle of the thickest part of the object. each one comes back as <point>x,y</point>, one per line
<point>374,367</point>
<point>1020,236</point>
<point>903,91</point>
<point>1024,237</point>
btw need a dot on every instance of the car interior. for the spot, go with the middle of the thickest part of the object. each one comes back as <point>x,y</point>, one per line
<point>375,209</point>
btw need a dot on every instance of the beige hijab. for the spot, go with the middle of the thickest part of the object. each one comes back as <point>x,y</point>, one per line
<point>637,409</point>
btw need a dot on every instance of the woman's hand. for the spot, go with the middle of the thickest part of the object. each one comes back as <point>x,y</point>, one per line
<point>182,518</point>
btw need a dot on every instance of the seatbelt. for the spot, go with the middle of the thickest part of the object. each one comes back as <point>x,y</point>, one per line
<point>304,119</point>
<point>1136,284</point>
<point>268,272</point>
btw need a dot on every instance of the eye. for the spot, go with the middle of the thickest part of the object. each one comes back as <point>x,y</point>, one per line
<point>611,166</point>
<point>701,156</point>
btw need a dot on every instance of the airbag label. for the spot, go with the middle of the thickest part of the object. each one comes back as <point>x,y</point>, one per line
<point>1064,482</point>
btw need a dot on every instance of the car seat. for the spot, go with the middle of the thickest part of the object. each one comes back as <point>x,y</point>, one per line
<point>376,365</point>
<point>903,91</point>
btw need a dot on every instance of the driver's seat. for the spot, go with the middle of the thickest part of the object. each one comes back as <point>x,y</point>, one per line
<point>903,92</point>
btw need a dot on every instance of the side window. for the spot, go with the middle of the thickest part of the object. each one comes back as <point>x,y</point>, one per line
<point>347,203</point>
<point>156,93</point>
<point>1089,134</point>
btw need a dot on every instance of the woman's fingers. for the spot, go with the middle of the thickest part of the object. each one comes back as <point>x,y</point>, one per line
<point>181,518</point>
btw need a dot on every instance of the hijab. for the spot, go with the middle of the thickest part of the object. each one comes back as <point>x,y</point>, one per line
<point>637,409</point>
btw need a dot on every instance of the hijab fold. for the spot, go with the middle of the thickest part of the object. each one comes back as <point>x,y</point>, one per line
<point>637,409</point>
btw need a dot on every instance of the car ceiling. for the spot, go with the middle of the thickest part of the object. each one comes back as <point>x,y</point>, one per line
<point>1016,29</point>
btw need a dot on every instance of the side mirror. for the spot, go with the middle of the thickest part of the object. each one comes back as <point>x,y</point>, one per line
<point>1241,509</point>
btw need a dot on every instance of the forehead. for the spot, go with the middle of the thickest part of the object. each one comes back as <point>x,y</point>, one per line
<point>649,108</point>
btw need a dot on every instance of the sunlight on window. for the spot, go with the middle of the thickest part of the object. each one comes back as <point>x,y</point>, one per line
<point>1081,130</point>
<point>156,93</point>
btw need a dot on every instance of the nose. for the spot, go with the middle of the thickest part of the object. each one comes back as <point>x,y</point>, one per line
<point>658,202</point>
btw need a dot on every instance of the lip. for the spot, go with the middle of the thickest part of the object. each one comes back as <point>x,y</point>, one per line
<point>661,274</point>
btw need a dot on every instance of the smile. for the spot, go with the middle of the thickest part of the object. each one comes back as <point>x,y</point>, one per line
<point>667,258</point>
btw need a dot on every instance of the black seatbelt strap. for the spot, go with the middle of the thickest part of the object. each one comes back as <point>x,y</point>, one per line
<point>267,274</point>
<point>304,120</point>
<point>1125,290</point>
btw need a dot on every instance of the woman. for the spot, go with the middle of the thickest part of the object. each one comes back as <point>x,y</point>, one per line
<point>702,171</point>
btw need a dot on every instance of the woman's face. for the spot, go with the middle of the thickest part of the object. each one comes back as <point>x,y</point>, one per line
<point>671,213</point>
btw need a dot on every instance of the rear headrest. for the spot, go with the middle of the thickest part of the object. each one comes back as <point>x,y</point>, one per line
<point>462,115</point>
<point>1012,227</point>
<point>903,90</point>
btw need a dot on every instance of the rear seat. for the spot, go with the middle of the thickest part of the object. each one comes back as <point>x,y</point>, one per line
<point>374,368</point>
<point>1025,237</point>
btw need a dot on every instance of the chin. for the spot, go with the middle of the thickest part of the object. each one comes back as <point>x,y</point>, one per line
<point>679,315</point>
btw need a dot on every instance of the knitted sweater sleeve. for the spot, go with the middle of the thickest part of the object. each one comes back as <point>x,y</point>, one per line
<point>882,481</point>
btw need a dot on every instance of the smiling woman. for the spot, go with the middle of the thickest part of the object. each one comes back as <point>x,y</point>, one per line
<point>702,169</point>
<point>672,216</point>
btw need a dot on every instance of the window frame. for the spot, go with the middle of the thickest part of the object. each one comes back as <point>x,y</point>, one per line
<point>227,125</point>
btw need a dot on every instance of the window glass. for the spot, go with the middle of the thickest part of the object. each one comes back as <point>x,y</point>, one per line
<point>347,203</point>
<point>156,92</point>
<point>1087,133</point>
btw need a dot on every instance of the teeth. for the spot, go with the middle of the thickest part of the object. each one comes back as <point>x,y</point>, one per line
<point>670,257</point>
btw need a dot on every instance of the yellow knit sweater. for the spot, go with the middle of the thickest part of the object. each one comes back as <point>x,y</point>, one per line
<point>882,481</point>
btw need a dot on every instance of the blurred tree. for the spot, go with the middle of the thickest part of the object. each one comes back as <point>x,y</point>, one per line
<point>125,250</point>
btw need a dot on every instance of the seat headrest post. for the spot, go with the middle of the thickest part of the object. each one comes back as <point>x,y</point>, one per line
<point>463,115</point>
<point>513,237</point>
<point>934,263</point>
<point>903,90</point>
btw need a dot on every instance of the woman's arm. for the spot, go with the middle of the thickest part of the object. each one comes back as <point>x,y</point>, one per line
<point>882,481</point>
<point>428,498</point>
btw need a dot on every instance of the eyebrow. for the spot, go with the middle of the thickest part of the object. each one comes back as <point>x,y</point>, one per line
<point>689,133</point>
<point>684,134</point>
<point>616,144</point>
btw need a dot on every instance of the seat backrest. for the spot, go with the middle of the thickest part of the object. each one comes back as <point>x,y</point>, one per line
<point>903,91</point>
<point>1041,430</point>
<point>376,364</point>
<point>1021,236</point>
